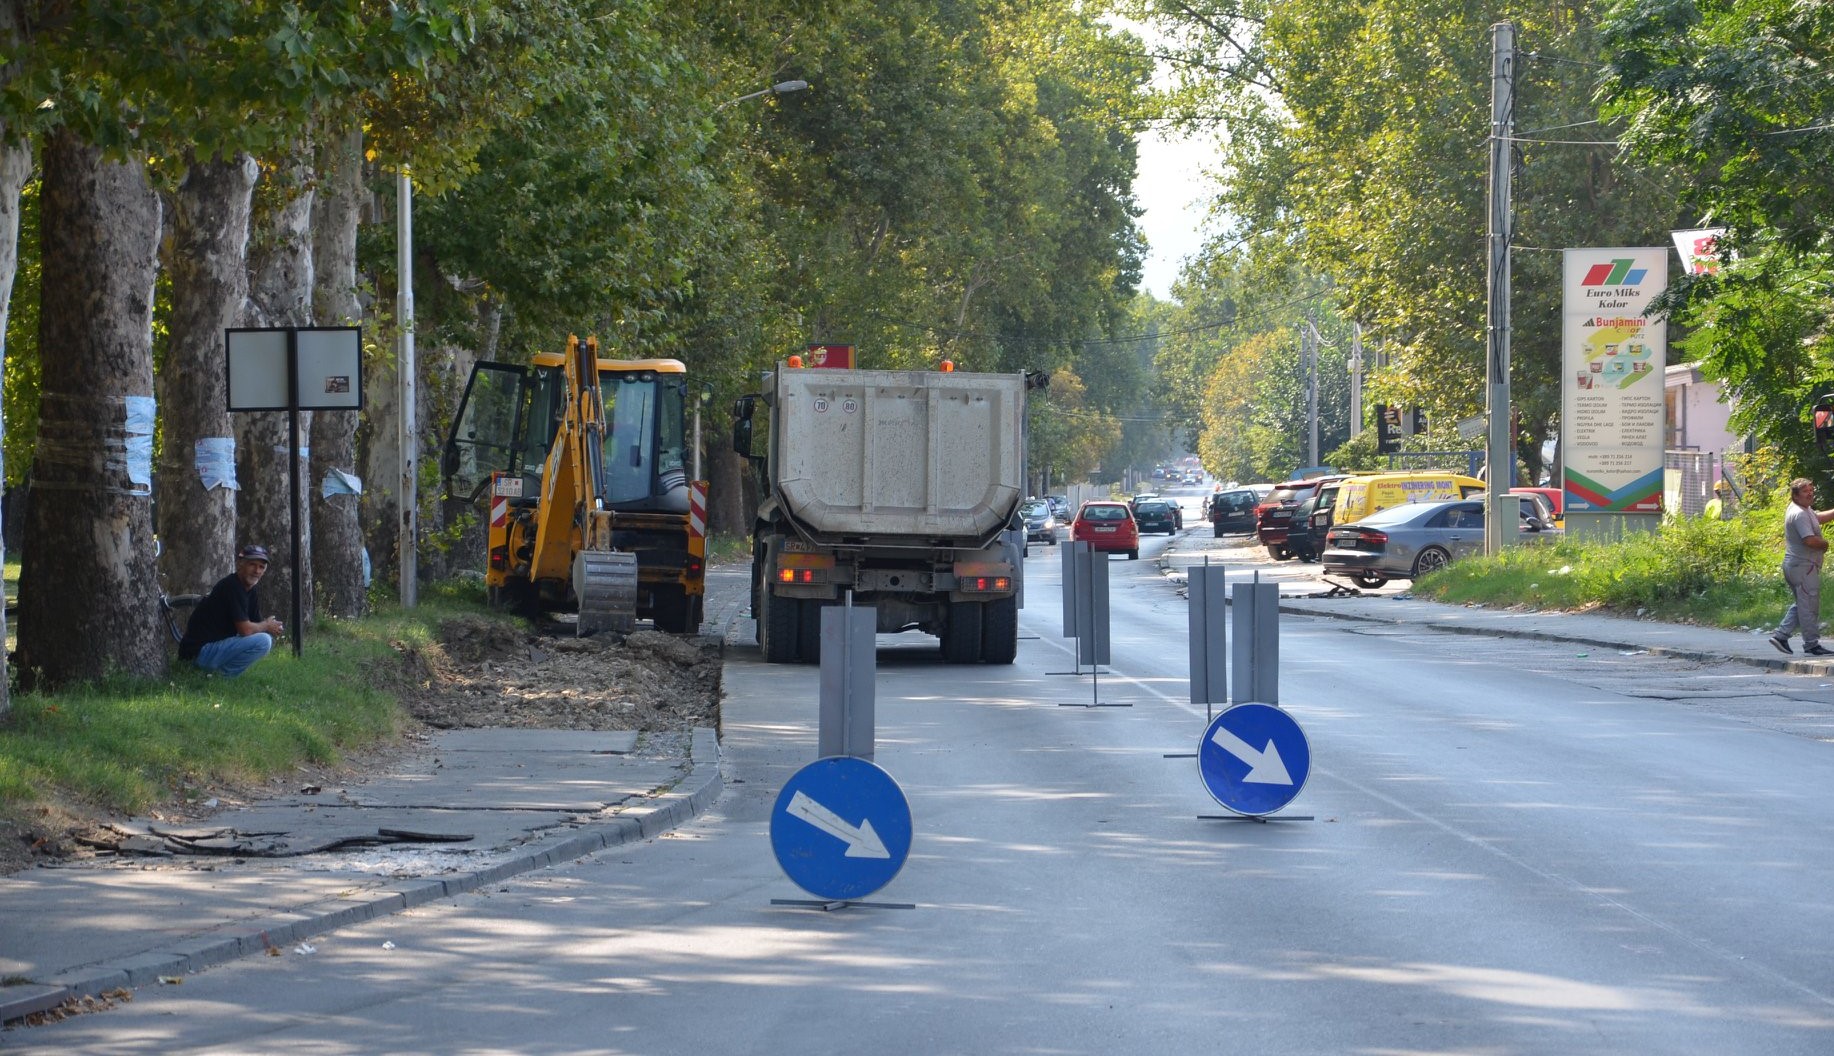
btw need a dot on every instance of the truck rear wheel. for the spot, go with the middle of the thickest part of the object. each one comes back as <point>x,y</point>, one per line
<point>1000,631</point>
<point>778,628</point>
<point>961,639</point>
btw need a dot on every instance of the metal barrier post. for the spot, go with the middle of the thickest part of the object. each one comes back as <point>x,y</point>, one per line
<point>1256,642</point>
<point>1209,649</point>
<point>1071,565</point>
<point>849,664</point>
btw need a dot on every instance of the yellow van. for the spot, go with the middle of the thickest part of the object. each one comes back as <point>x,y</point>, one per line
<point>1358,497</point>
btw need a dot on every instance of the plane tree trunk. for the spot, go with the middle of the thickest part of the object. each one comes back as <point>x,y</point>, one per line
<point>279,294</point>
<point>15,169</point>
<point>87,598</point>
<point>208,262</point>
<point>337,533</point>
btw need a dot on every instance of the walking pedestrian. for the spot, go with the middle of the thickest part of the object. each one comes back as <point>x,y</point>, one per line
<point>1803,549</point>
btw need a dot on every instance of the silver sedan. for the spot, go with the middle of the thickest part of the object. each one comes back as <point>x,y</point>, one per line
<point>1407,542</point>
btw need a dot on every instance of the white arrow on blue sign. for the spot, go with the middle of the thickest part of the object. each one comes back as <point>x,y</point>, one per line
<point>841,828</point>
<point>1254,758</point>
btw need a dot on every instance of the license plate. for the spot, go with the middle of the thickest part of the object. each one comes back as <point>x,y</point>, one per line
<point>1102,529</point>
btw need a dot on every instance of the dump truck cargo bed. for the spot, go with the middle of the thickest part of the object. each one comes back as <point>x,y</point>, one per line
<point>889,455</point>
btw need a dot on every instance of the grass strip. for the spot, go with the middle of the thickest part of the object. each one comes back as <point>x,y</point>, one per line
<point>123,745</point>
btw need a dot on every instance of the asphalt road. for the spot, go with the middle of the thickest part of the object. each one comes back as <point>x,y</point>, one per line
<point>1511,853</point>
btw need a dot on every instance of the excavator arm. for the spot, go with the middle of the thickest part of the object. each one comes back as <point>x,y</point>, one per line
<point>575,528</point>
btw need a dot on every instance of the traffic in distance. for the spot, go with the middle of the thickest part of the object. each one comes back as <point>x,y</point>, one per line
<point>1368,529</point>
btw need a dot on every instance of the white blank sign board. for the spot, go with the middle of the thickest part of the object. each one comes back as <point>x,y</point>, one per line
<point>329,374</point>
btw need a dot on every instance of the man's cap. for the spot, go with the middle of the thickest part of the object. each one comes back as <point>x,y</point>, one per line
<point>252,552</point>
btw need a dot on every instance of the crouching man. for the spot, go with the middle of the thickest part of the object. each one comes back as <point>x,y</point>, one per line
<point>226,633</point>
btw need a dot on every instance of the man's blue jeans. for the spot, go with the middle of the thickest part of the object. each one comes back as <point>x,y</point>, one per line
<point>232,656</point>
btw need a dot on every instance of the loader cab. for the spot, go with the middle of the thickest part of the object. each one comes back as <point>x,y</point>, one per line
<point>510,416</point>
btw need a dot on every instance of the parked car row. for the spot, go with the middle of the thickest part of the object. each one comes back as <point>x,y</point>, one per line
<point>1294,519</point>
<point>1372,528</point>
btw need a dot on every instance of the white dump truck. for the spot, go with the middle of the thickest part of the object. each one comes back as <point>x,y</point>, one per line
<point>899,486</point>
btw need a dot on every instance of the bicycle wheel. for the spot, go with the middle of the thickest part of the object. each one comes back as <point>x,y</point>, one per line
<point>176,609</point>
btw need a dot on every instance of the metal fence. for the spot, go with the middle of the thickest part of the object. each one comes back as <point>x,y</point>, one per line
<point>1472,461</point>
<point>1689,478</point>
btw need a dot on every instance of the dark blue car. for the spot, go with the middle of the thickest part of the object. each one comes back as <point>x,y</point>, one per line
<point>1156,515</point>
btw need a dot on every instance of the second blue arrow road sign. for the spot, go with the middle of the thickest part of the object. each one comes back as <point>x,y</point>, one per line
<point>1254,758</point>
<point>841,828</point>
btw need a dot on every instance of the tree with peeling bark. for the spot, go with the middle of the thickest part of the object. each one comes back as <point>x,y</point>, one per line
<point>86,592</point>
<point>206,259</point>
<point>115,82</point>
<point>279,295</point>
<point>336,528</point>
<point>15,169</point>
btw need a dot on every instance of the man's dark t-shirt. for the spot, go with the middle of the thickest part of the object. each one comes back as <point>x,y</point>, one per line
<point>215,617</point>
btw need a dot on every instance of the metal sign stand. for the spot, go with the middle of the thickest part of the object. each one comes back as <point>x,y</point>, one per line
<point>1092,623</point>
<point>809,903</point>
<point>1070,604</point>
<point>1209,661</point>
<point>1256,643</point>
<point>823,796</point>
<point>849,669</point>
<point>294,368</point>
<point>1265,727</point>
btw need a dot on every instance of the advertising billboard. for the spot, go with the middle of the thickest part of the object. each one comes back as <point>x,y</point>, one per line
<point>1613,423</point>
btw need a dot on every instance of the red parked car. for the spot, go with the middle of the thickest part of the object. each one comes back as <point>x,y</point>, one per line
<point>1556,500</point>
<point>1107,526</point>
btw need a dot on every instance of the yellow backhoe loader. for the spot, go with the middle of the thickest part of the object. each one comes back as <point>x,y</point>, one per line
<point>581,464</point>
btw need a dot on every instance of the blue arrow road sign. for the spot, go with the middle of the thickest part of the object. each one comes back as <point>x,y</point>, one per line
<point>1254,758</point>
<point>841,828</point>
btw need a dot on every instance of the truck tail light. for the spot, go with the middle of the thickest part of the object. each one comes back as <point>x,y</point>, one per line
<point>983,584</point>
<point>804,568</point>
<point>499,558</point>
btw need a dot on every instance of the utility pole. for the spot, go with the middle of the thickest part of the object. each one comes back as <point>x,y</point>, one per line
<point>1308,344</point>
<point>1356,379</point>
<point>408,533</point>
<point>1500,522</point>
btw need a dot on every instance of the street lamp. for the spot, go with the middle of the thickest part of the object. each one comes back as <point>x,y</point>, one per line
<point>780,88</point>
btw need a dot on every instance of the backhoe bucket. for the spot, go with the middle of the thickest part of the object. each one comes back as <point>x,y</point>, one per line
<point>606,585</point>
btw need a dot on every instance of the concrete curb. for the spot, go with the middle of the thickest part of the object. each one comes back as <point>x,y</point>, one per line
<point>669,808</point>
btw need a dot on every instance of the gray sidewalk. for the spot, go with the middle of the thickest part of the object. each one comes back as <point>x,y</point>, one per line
<point>323,859</point>
<point>1393,604</point>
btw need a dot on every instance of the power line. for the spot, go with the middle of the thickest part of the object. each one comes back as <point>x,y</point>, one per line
<point>1566,142</point>
<point>1791,131</point>
<point>1556,128</point>
<point>1158,420</point>
<point>1125,339</point>
<point>1560,60</point>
